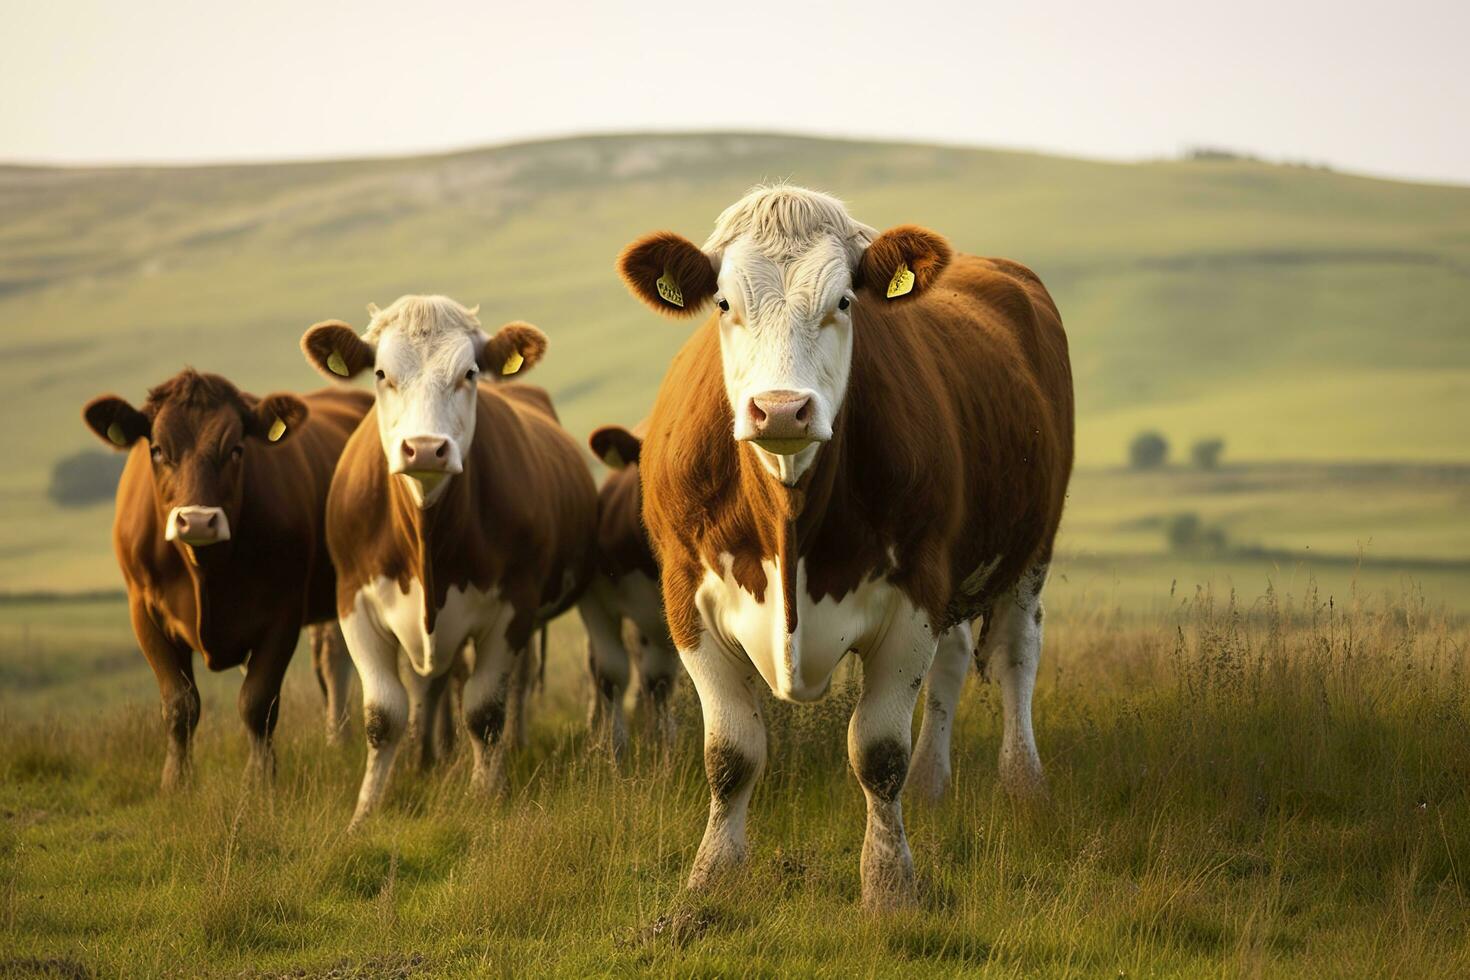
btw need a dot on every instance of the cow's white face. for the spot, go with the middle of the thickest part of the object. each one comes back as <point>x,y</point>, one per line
<point>786,349</point>
<point>785,267</point>
<point>426,392</point>
<point>427,354</point>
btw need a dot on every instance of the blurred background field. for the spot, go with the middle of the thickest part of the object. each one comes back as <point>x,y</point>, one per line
<point>1313,321</point>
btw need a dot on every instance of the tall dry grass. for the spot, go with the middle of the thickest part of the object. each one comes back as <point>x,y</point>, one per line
<point>1272,787</point>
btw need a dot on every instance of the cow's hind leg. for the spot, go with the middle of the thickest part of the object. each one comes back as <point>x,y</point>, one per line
<point>1013,652</point>
<point>426,695</point>
<point>878,744</point>
<point>486,694</point>
<point>333,666</point>
<point>173,667</point>
<point>734,753</point>
<point>658,672</point>
<point>607,662</point>
<point>260,696</point>
<point>929,771</point>
<point>517,694</point>
<point>384,707</point>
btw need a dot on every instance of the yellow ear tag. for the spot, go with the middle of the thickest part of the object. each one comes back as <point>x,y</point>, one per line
<point>903,282</point>
<point>613,459</point>
<point>512,363</point>
<point>278,429</point>
<point>336,365</point>
<point>115,433</point>
<point>669,289</point>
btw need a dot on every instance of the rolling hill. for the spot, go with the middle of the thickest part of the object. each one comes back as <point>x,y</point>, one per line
<point>1300,314</point>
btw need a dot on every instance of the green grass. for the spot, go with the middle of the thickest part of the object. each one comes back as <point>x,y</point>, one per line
<point>1275,787</point>
<point>1300,314</point>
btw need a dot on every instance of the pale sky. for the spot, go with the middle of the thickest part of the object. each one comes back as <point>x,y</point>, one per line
<point>1375,88</point>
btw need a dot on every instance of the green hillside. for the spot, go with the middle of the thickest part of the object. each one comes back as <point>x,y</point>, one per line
<point>1300,314</point>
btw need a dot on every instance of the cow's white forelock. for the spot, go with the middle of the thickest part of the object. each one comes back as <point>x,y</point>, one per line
<point>430,326</point>
<point>785,256</point>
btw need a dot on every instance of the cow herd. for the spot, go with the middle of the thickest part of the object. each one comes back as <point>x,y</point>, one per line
<point>864,449</point>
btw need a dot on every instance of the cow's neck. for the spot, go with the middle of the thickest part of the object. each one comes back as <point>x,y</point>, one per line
<point>431,538</point>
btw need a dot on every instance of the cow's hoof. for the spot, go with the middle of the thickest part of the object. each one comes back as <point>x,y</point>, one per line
<point>175,776</point>
<point>1024,781</point>
<point>713,864</point>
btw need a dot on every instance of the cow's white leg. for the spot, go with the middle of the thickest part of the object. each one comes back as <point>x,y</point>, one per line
<point>485,696</point>
<point>607,661</point>
<point>334,673</point>
<point>878,743</point>
<point>1013,652</point>
<point>929,770</point>
<point>734,752</point>
<point>375,654</point>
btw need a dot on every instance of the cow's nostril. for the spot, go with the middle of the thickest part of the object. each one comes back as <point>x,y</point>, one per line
<point>805,411</point>
<point>181,521</point>
<point>756,414</point>
<point>443,448</point>
<point>213,519</point>
<point>407,449</point>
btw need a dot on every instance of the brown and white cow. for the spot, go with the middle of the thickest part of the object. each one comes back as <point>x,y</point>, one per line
<point>866,446</point>
<point>220,536</point>
<point>460,511</point>
<point>626,590</point>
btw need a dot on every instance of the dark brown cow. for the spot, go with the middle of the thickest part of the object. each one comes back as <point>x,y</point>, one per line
<point>460,510</point>
<point>626,590</point>
<point>865,447</point>
<point>220,537</point>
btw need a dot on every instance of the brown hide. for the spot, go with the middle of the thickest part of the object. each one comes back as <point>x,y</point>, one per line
<point>522,516</point>
<point>274,569</point>
<point>953,447</point>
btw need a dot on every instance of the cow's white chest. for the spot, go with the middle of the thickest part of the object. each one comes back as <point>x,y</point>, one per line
<point>467,614</point>
<point>797,666</point>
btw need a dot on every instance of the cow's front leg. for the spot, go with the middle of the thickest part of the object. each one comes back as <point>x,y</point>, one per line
<point>375,654</point>
<point>878,742</point>
<point>734,752</point>
<point>486,694</point>
<point>929,771</point>
<point>658,672</point>
<point>607,662</point>
<point>260,696</point>
<point>173,667</point>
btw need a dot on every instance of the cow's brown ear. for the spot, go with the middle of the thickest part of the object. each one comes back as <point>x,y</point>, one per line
<point>615,446</point>
<point>276,417</point>
<point>515,349</point>
<point>903,262</point>
<point>335,349</point>
<point>668,273</point>
<point>115,421</point>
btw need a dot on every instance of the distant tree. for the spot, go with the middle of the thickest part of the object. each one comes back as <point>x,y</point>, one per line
<point>85,478</point>
<point>1182,531</point>
<point>1206,453</point>
<point>1188,535</point>
<point>1148,451</point>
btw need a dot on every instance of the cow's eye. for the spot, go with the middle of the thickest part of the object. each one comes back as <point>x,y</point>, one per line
<point>724,304</point>
<point>470,375</point>
<point>843,304</point>
<point>380,375</point>
<point>157,454</point>
<point>237,452</point>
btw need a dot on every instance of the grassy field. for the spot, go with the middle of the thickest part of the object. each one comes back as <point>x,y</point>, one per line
<point>1272,786</point>
<point>1302,315</point>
